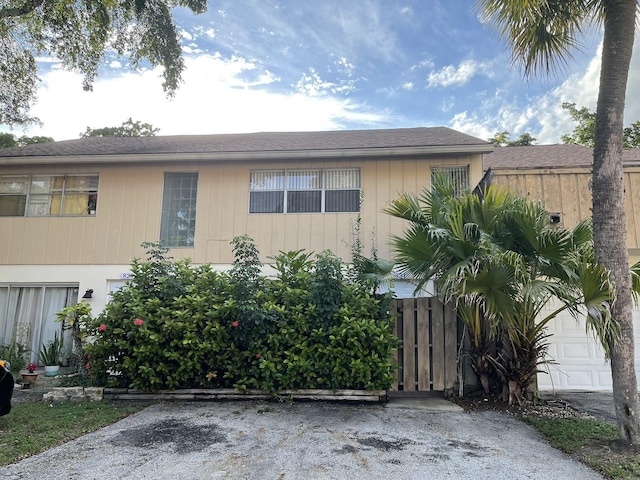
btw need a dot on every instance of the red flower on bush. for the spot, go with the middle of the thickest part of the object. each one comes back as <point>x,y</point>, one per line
<point>258,356</point>
<point>32,367</point>
<point>235,324</point>
<point>138,321</point>
<point>102,327</point>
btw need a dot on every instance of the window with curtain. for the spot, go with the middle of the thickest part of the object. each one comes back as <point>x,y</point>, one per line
<point>48,195</point>
<point>305,191</point>
<point>178,223</point>
<point>28,315</point>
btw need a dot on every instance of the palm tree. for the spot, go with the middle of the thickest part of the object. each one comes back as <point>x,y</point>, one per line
<point>541,35</point>
<point>499,262</point>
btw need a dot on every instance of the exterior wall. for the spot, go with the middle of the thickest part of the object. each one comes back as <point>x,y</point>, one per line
<point>129,213</point>
<point>567,191</point>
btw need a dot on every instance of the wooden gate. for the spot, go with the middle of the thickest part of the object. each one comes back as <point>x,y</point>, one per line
<point>428,335</point>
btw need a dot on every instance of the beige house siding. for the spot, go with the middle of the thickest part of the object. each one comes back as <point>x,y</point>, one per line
<point>130,201</point>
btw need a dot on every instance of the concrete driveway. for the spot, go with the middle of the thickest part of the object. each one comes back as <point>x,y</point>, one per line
<point>260,440</point>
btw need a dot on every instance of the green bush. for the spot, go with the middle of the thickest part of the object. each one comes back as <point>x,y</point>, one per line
<point>16,354</point>
<point>178,326</point>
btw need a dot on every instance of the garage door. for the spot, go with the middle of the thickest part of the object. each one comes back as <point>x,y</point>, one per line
<point>579,359</point>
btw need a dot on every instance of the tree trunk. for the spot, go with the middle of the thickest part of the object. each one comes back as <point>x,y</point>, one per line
<point>609,223</point>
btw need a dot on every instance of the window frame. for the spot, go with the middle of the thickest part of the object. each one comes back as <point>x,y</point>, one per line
<point>63,192</point>
<point>454,171</point>
<point>193,209</point>
<point>322,188</point>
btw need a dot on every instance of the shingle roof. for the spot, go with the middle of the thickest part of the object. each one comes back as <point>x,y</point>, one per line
<point>251,142</point>
<point>547,156</point>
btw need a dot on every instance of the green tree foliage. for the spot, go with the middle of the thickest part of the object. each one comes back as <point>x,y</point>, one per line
<point>129,128</point>
<point>10,140</point>
<point>79,34</point>
<point>178,326</point>
<point>497,259</point>
<point>585,130</point>
<point>503,139</point>
<point>542,37</point>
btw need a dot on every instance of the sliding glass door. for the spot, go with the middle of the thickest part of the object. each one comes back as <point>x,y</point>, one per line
<point>28,314</point>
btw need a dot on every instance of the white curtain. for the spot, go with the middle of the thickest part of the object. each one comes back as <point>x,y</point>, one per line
<point>28,315</point>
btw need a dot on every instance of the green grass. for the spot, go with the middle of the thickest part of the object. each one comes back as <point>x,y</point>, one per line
<point>593,442</point>
<point>570,434</point>
<point>34,427</point>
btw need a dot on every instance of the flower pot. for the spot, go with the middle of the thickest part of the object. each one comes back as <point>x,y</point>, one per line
<point>51,370</point>
<point>29,378</point>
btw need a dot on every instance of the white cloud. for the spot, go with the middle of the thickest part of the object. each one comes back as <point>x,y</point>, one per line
<point>543,115</point>
<point>345,66</point>
<point>214,98</point>
<point>460,75</point>
<point>422,64</point>
<point>312,85</point>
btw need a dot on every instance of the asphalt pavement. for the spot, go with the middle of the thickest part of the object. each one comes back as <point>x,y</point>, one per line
<point>596,404</point>
<point>412,439</point>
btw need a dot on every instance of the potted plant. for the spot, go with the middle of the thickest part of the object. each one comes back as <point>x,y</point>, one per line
<point>50,356</point>
<point>29,378</point>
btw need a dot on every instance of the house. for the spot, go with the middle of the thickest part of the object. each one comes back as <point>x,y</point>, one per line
<point>560,176</point>
<point>74,213</point>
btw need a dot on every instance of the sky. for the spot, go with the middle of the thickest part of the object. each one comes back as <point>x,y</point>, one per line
<point>288,65</point>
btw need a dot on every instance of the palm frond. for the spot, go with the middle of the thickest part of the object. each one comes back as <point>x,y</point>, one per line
<point>540,34</point>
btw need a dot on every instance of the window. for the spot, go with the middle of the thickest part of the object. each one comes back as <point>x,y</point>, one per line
<point>178,223</point>
<point>48,195</point>
<point>459,177</point>
<point>305,191</point>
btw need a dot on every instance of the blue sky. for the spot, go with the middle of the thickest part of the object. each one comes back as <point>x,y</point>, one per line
<point>268,65</point>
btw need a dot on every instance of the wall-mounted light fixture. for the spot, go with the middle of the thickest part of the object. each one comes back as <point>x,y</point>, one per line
<point>88,293</point>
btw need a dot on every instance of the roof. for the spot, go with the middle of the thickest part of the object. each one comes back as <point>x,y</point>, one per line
<point>547,156</point>
<point>255,145</point>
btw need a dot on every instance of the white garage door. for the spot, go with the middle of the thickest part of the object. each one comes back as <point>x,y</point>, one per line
<point>579,359</point>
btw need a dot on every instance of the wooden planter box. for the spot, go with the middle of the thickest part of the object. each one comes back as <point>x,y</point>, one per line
<point>196,394</point>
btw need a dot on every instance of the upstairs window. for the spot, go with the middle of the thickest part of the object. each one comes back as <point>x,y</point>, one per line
<point>459,176</point>
<point>48,195</point>
<point>305,191</point>
<point>178,223</point>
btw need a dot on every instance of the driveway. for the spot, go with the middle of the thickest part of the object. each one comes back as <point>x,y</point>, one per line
<point>260,440</point>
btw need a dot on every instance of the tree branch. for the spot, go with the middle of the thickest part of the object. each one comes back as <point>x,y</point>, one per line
<point>28,7</point>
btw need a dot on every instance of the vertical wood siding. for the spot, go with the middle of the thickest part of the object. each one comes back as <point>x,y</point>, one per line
<point>129,213</point>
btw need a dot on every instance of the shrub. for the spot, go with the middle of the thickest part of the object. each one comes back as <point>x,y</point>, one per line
<point>16,354</point>
<point>194,327</point>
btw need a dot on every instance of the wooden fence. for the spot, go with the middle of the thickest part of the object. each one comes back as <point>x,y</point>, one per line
<point>428,347</point>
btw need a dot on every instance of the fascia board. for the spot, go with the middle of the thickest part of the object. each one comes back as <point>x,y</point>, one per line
<point>248,156</point>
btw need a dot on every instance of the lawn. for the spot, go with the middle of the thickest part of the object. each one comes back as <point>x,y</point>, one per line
<point>31,428</point>
<point>591,441</point>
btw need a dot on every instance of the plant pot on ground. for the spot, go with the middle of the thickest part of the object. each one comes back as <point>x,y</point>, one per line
<point>30,376</point>
<point>50,356</point>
